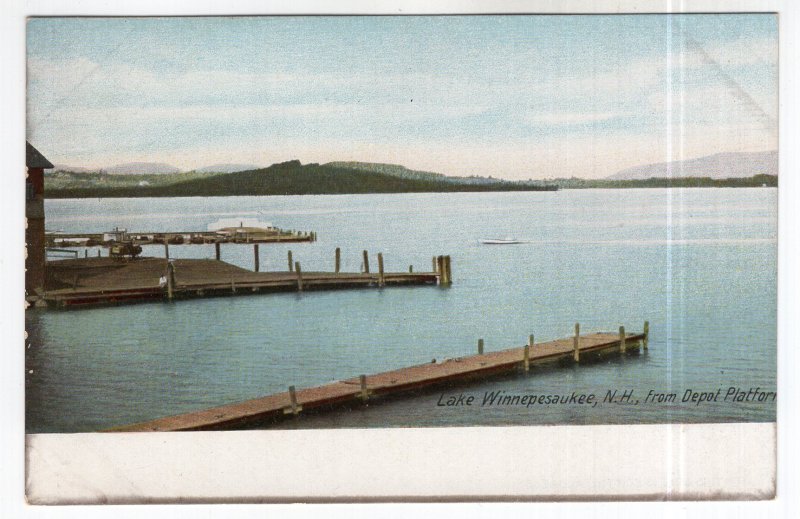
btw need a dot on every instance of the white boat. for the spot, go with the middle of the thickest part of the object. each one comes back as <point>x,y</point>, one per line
<point>499,241</point>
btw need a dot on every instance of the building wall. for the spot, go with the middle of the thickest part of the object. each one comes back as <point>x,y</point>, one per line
<point>34,230</point>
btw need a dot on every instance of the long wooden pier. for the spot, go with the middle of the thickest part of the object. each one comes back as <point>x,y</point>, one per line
<point>261,412</point>
<point>86,282</point>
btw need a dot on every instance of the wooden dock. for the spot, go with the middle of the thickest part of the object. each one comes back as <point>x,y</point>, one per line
<point>226,235</point>
<point>262,412</point>
<point>100,281</point>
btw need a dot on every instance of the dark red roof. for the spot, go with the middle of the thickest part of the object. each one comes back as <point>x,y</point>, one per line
<point>34,159</point>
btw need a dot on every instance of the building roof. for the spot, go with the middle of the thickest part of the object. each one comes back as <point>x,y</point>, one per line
<point>34,159</point>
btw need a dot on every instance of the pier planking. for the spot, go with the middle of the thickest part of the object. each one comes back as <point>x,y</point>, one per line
<point>261,412</point>
<point>98,281</point>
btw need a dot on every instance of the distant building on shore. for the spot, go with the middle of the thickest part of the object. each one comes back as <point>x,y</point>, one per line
<point>35,163</point>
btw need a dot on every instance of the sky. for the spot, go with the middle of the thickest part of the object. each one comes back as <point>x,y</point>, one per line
<point>513,97</point>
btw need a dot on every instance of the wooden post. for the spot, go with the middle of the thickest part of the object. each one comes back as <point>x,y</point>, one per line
<point>447,270</point>
<point>85,253</point>
<point>364,391</point>
<point>299,276</point>
<point>366,262</point>
<point>170,280</point>
<point>622,339</point>
<point>440,268</point>
<point>166,248</point>
<point>217,250</point>
<point>526,354</point>
<point>289,257</point>
<point>98,253</point>
<point>480,346</point>
<point>576,352</point>
<point>255,256</point>
<point>411,269</point>
<point>293,408</point>
<point>646,333</point>
<point>381,279</point>
<point>338,259</point>
<point>434,264</point>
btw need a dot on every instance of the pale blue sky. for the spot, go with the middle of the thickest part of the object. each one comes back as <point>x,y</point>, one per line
<point>508,96</point>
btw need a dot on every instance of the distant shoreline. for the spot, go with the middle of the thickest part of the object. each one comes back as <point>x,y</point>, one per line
<point>189,189</point>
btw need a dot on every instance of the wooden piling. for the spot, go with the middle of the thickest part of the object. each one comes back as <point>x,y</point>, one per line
<point>289,257</point>
<point>217,250</point>
<point>576,352</point>
<point>293,408</point>
<point>85,253</point>
<point>448,275</point>
<point>338,262</point>
<point>480,346</point>
<point>440,269</point>
<point>381,280</point>
<point>170,280</point>
<point>411,269</point>
<point>526,354</point>
<point>433,261</point>
<point>622,339</point>
<point>299,276</point>
<point>646,333</point>
<point>98,253</point>
<point>255,257</point>
<point>364,391</point>
<point>366,262</point>
<point>166,248</point>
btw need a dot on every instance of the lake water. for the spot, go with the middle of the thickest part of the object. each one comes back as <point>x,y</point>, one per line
<point>699,264</point>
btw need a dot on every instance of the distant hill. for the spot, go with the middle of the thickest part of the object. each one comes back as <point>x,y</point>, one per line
<point>227,168</point>
<point>718,166</point>
<point>394,170</point>
<point>142,168</point>
<point>403,172</point>
<point>64,167</point>
<point>287,178</point>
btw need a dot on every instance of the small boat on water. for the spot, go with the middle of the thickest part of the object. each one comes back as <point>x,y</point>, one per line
<point>501,241</point>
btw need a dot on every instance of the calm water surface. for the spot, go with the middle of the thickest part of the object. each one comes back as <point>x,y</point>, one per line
<point>699,264</point>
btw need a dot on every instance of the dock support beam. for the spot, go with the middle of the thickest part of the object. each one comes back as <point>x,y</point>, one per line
<point>255,257</point>
<point>338,262</point>
<point>526,354</point>
<point>622,339</point>
<point>293,408</point>
<point>289,257</point>
<point>366,262</point>
<point>381,280</point>
<point>646,333</point>
<point>170,280</point>
<point>299,276</point>
<point>443,269</point>
<point>217,251</point>
<point>480,346</point>
<point>576,352</point>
